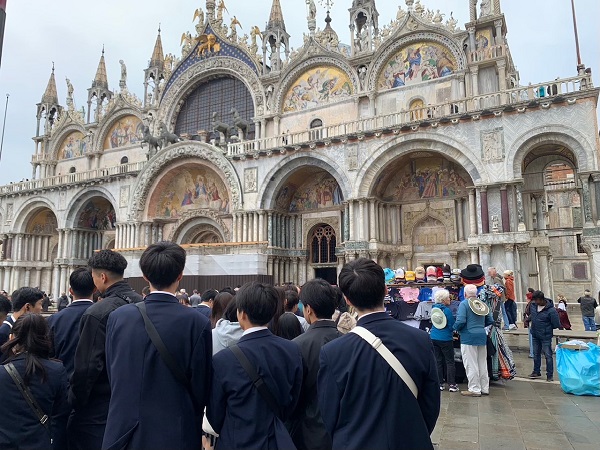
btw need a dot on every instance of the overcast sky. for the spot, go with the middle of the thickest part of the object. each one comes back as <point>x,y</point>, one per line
<point>72,32</point>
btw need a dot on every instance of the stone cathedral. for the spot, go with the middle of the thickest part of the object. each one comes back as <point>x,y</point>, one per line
<point>412,143</point>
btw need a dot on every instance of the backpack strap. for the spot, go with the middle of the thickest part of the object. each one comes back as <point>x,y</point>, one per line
<point>389,357</point>
<point>27,395</point>
<point>257,380</point>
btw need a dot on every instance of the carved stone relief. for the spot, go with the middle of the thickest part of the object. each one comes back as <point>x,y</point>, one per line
<point>251,180</point>
<point>124,196</point>
<point>492,145</point>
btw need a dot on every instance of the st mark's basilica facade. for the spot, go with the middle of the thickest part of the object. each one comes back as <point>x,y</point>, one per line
<point>415,144</point>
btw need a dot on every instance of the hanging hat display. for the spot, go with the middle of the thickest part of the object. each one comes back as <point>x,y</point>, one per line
<point>455,276</point>
<point>389,274</point>
<point>399,274</point>
<point>431,274</point>
<point>440,274</point>
<point>410,275</point>
<point>420,273</point>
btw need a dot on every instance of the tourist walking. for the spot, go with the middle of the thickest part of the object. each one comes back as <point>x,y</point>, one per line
<point>510,304</point>
<point>356,384</point>
<point>563,315</point>
<point>443,341</point>
<point>43,379</point>
<point>588,303</point>
<point>472,318</point>
<point>544,319</point>
<point>158,358</point>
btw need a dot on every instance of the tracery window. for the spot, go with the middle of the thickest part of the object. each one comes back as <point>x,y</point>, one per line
<point>323,244</point>
<point>218,95</point>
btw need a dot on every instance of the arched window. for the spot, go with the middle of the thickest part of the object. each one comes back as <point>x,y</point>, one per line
<point>323,244</point>
<point>316,130</point>
<point>417,111</point>
<point>72,170</point>
<point>317,123</point>
<point>124,160</point>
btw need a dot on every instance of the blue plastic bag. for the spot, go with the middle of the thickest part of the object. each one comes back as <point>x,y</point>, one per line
<point>579,370</point>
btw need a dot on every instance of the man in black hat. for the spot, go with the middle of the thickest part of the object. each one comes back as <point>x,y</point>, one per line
<point>472,274</point>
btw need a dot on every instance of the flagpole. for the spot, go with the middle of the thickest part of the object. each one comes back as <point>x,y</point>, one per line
<point>4,126</point>
<point>580,66</point>
<point>2,22</point>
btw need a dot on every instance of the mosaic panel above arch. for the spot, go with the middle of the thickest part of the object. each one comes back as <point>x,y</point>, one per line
<point>319,192</point>
<point>415,63</point>
<point>43,222</point>
<point>189,188</point>
<point>97,214</point>
<point>422,177</point>
<point>125,131</point>
<point>316,86</point>
<point>74,145</point>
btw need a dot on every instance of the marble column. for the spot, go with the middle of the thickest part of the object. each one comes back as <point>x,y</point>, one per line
<point>372,221</point>
<point>302,275</point>
<point>270,267</point>
<point>255,226</point>
<point>472,213</point>
<point>74,238</point>
<point>270,236</point>
<point>27,281</point>
<point>509,252</point>
<point>8,281</point>
<point>485,256</point>
<point>38,279</point>
<point>474,252</point>
<point>586,199</point>
<point>2,278</point>
<point>160,232</point>
<point>55,282</point>
<point>351,221</point>
<point>520,209</point>
<point>276,271</point>
<point>485,215</point>
<point>147,234</point>
<point>245,227</point>
<point>504,209</point>
<point>261,226</point>
<point>459,220</point>
<point>544,274</point>
<point>361,220</point>
<point>539,211</point>
<point>596,179</point>
<point>454,258</point>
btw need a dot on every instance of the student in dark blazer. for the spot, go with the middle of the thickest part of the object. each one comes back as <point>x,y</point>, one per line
<point>149,407</point>
<point>24,300</point>
<point>47,381</point>
<point>306,426</point>
<point>237,411</point>
<point>363,400</point>
<point>64,325</point>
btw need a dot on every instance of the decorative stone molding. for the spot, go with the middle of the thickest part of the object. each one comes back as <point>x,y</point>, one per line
<point>189,217</point>
<point>173,99</point>
<point>183,150</point>
<point>411,219</point>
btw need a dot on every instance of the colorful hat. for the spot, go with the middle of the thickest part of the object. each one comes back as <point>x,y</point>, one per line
<point>455,276</point>
<point>446,271</point>
<point>478,307</point>
<point>431,274</point>
<point>420,273</point>
<point>473,274</point>
<point>400,274</point>
<point>389,274</point>
<point>410,275</point>
<point>440,274</point>
<point>438,318</point>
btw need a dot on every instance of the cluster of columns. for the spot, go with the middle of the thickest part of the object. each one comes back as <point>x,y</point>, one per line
<point>78,243</point>
<point>19,251</point>
<point>135,235</point>
<point>251,226</point>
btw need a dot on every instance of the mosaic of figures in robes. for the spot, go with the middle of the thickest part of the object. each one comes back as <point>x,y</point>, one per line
<point>98,214</point>
<point>44,222</point>
<point>74,146</point>
<point>126,131</point>
<point>426,178</point>
<point>320,192</point>
<point>417,62</point>
<point>317,86</point>
<point>193,188</point>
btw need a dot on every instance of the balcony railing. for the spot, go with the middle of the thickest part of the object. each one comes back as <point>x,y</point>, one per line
<point>520,96</point>
<point>72,178</point>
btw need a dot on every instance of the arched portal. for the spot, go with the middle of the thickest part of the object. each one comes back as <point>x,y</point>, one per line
<point>93,220</point>
<point>321,247</point>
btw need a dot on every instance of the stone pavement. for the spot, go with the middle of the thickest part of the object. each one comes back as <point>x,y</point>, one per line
<point>519,414</point>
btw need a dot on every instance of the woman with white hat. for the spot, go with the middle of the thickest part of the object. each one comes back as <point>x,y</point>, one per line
<point>441,336</point>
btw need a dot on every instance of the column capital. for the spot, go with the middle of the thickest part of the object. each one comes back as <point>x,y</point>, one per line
<point>503,187</point>
<point>509,247</point>
<point>543,251</point>
<point>486,248</point>
<point>482,189</point>
<point>522,248</point>
<point>596,177</point>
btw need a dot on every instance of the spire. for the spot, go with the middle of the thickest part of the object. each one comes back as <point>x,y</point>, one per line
<point>50,97</point>
<point>100,80</point>
<point>158,57</point>
<point>276,17</point>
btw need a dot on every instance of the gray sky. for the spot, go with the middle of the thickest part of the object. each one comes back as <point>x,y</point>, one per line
<point>71,33</point>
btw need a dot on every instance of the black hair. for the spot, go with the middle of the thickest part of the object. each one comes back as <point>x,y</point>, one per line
<point>259,301</point>
<point>228,290</point>
<point>530,290</point>
<point>220,304</point>
<point>320,296</point>
<point>209,295</point>
<point>289,326</point>
<point>25,295</point>
<point>30,334</point>
<point>108,261</point>
<point>363,283</point>
<point>5,306</point>
<point>145,290</point>
<point>538,295</point>
<point>274,323</point>
<point>291,300</point>
<point>162,263</point>
<point>230,312</point>
<point>82,283</point>
<point>340,303</point>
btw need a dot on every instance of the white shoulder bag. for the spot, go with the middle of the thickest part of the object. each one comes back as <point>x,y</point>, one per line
<point>385,353</point>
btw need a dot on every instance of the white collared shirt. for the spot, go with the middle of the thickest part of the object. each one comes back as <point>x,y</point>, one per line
<point>163,292</point>
<point>369,313</point>
<point>82,300</point>
<point>253,330</point>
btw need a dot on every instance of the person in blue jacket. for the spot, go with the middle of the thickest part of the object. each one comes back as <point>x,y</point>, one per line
<point>473,339</point>
<point>441,336</point>
<point>543,320</point>
<point>46,379</point>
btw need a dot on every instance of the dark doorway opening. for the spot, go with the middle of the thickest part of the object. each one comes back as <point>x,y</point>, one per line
<point>329,274</point>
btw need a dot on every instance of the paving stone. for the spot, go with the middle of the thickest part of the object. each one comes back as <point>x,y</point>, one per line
<point>540,426</point>
<point>546,440</point>
<point>461,433</point>
<point>565,410</point>
<point>501,443</point>
<point>446,444</point>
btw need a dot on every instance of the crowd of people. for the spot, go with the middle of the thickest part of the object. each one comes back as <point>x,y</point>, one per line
<point>255,366</point>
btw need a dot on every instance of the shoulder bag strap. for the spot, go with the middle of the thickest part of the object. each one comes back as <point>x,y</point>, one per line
<point>26,393</point>
<point>257,380</point>
<point>168,359</point>
<point>385,353</point>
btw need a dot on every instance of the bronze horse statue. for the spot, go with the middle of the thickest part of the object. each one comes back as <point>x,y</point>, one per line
<point>154,143</point>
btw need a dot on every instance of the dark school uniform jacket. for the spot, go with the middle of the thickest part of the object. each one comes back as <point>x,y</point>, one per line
<point>364,403</point>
